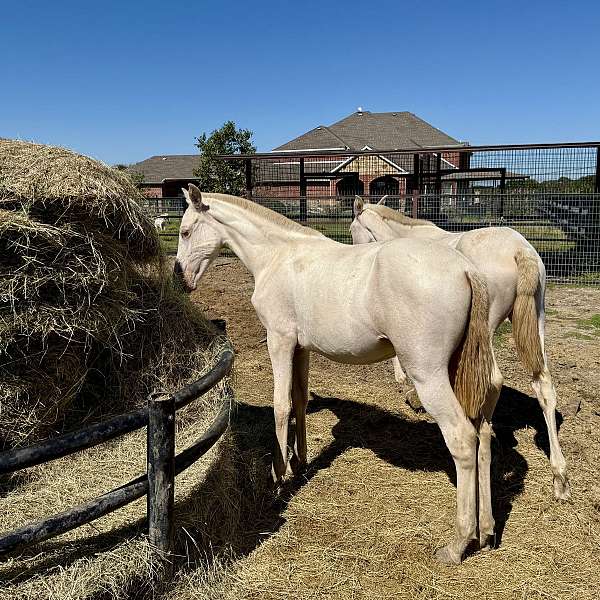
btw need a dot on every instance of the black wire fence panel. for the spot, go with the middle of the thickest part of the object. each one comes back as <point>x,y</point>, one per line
<point>549,193</point>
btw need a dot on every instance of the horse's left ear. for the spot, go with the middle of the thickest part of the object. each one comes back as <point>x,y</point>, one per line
<point>382,201</point>
<point>194,197</point>
<point>359,204</point>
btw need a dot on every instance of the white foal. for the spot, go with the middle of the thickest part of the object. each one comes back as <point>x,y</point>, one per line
<point>516,280</point>
<point>360,304</point>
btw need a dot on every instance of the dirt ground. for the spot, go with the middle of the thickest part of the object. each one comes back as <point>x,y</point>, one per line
<point>379,495</point>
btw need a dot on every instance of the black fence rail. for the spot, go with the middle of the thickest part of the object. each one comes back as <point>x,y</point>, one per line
<point>157,483</point>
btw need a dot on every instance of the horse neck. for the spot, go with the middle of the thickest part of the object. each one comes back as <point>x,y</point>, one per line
<point>252,238</point>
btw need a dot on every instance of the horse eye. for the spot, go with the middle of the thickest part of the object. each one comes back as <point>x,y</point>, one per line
<point>185,234</point>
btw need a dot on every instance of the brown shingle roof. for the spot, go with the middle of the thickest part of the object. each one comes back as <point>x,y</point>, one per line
<point>166,166</point>
<point>378,131</point>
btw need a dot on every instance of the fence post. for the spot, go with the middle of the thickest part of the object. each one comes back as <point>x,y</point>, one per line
<point>415,202</point>
<point>502,190</point>
<point>161,478</point>
<point>303,203</point>
<point>597,182</point>
<point>248,169</point>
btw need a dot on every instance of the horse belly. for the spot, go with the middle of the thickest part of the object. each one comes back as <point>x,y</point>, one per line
<point>349,345</point>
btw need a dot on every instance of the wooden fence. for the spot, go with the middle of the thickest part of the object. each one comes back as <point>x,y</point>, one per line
<point>157,482</point>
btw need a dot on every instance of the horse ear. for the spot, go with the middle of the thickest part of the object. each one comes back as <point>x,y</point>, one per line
<point>359,204</point>
<point>194,197</point>
<point>382,201</point>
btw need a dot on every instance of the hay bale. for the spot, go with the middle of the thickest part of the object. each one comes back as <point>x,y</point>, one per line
<point>57,186</point>
<point>87,310</point>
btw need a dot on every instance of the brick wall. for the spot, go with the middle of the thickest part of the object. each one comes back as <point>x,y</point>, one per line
<point>152,191</point>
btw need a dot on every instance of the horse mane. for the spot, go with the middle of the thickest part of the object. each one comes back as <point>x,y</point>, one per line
<point>388,214</point>
<point>266,213</point>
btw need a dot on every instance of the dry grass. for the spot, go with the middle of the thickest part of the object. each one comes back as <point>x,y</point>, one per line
<point>57,186</point>
<point>109,556</point>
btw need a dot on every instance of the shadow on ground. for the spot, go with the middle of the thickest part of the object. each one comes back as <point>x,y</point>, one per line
<point>405,443</point>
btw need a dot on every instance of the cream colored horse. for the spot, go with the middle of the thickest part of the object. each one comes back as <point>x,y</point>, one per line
<point>516,280</point>
<point>349,304</point>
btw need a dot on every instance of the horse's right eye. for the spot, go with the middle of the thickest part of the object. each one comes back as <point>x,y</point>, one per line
<point>185,234</point>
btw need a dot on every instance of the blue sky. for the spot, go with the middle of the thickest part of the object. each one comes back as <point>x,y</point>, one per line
<point>125,80</point>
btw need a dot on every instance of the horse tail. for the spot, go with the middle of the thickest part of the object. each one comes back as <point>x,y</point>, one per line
<point>524,316</point>
<point>473,362</point>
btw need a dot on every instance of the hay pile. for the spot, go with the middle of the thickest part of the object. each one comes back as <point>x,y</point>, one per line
<point>89,322</point>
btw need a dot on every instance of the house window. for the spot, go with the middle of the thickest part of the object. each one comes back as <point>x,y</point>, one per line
<point>350,186</point>
<point>384,185</point>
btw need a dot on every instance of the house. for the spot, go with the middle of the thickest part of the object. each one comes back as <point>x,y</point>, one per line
<point>164,175</point>
<point>376,174</point>
<point>407,162</point>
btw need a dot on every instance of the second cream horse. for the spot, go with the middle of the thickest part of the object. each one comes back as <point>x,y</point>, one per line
<point>516,280</point>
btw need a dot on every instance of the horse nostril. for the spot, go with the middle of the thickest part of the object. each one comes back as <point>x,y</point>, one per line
<point>178,278</point>
<point>178,275</point>
<point>177,270</point>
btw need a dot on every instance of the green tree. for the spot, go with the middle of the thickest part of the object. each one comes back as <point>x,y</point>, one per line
<point>222,176</point>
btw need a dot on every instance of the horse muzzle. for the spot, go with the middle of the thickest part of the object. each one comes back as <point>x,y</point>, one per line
<point>179,278</point>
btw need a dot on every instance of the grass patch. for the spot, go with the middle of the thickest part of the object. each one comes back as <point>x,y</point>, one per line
<point>591,325</point>
<point>579,335</point>
<point>336,230</point>
<point>169,242</point>
<point>500,334</point>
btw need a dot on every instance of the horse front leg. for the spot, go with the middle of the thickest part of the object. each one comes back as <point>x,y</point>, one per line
<point>399,374</point>
<point>299,402</point>
<point>281,351</point>
<point>412,399</point>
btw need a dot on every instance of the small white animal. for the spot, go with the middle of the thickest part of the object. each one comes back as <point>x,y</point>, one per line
<point>160,222</point>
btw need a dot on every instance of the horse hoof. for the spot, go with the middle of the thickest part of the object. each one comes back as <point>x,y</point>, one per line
<point>448,556</point>
<point>487,541</point>
<point>298,467</point>
<point>412,399</point>
<point>562,490</point>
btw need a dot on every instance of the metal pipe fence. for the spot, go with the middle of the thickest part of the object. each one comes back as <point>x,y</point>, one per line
<point>157,483</point>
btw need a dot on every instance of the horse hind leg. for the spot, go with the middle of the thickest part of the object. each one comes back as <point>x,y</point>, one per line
<point>461,439</point>
<point>546,394</point>
<point>484,459</point>
<point>528,332</point>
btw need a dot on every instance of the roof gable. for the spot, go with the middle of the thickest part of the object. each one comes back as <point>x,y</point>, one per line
<point>319,138</point>
<point>380,131</point>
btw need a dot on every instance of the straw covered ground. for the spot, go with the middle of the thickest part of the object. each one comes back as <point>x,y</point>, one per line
<point>379,496</point>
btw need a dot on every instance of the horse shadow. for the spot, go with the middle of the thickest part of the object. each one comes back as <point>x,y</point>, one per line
<point>405,443</point>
